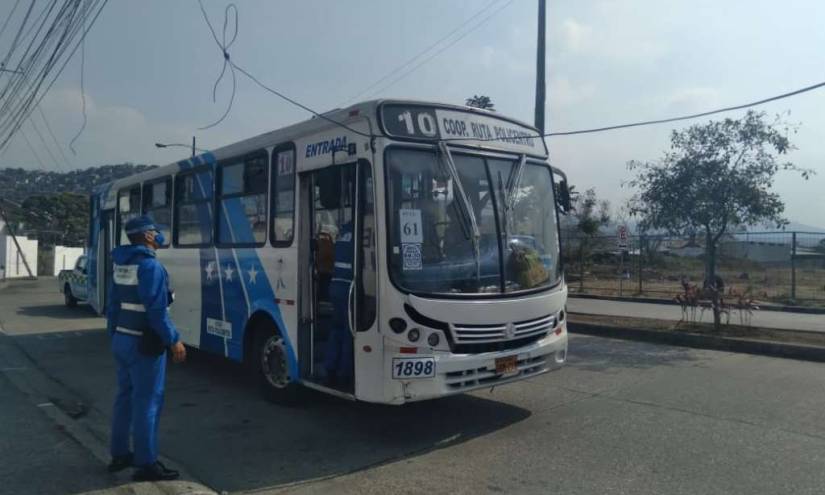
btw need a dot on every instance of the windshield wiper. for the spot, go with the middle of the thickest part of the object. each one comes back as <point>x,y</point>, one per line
<point>468,217</point>
<point>509,197</point>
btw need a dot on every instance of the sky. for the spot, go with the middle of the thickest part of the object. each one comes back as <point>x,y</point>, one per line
<point>151,65</point>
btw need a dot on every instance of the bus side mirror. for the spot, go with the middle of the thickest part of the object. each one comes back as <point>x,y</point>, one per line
<point>564,197</point>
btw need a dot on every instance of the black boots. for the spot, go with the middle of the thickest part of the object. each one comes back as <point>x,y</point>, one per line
<point>155,472</point>
<point>120,463</point>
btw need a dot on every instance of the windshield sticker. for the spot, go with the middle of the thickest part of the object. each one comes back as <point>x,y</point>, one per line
<point>412,257</point>
<point>410,222</point>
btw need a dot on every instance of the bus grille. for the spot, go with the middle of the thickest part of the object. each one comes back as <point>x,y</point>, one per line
<point>480,377</point>
<point>485,334</point>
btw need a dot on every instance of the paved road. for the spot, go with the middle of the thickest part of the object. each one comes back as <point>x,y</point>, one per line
<point>766,319</point>
<point>622,417</point>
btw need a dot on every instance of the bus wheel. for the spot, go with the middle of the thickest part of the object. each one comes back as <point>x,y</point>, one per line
<point>68,298</point>
<point>271,365</point>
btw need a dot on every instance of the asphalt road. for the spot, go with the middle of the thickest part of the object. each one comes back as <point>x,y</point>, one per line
<point>621,417</point>
<point>765,319</point>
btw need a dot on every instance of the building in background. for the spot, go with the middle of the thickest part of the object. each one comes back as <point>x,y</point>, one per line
<point>12,263</point>
<point>65,258</point>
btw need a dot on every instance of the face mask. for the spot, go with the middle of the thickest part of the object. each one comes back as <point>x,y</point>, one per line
<point>160,240</point>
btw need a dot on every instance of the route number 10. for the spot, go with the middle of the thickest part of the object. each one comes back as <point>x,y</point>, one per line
<point>426,123</point>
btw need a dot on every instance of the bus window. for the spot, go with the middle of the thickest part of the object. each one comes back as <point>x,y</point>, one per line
<point>242,201</point>
<point>193,209</point>
<point>128,206</point>
<point>157,203</point>
<point>283,195</point>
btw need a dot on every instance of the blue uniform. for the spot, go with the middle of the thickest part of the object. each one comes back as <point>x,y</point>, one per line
<point>338,357</point>
<point>139,300</point>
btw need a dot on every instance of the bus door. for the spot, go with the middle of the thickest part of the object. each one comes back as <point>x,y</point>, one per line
<point>326,344</point>
<point>104,267</point>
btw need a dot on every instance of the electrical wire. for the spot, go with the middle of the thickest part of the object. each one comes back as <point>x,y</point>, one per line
<point>224,47</point>
<point>233,67</point>
<point>82,95</point>
<point>54,139</point>
<point>423,52</point>
<point>662,121</point>
<point>46,147</point>
<point>442,49</point>
<point>11,14</point>
<point>55,48</point>
<point>31,148</point>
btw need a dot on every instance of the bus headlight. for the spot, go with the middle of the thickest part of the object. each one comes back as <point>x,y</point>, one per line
<point>413,335</point>
<point>433,339</point>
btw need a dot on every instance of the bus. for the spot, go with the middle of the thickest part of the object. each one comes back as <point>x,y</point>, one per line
<point>445,218</point>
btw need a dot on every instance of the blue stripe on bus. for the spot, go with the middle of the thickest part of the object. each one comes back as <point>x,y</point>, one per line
<point>244,293</point>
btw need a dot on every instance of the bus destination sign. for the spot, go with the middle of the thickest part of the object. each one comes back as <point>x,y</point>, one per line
<point>460,127</point>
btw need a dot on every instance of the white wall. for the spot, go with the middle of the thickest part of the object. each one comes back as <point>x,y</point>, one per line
<point>12,259</point>
<point>65,258</point>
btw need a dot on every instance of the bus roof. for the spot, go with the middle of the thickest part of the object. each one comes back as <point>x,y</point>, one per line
<point>463,125</point>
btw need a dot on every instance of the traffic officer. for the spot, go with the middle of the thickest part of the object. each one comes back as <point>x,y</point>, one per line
<point>338,357</point>
<point>141,330</point>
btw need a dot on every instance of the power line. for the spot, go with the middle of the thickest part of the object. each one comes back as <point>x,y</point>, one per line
<point>693,116</point>
<point>51,133</point>
<point>82,94</point>
<point>70,21</point>
<point>45,145</point>
<point>439,51</point>
<point>11,14</point>
<point>233,66</point>
<point>224,47</point>
<point>659,121</point>
<point>424,51</point>
<point>31,148</point>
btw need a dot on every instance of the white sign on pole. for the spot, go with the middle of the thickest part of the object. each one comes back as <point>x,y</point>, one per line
<point>622,237</point>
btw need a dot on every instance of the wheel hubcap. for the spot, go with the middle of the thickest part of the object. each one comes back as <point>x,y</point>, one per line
<point>274,363</point>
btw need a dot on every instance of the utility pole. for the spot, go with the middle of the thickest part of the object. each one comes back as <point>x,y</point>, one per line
<point>540,85</point>
<point>193,146</point>
<point>17,244</point>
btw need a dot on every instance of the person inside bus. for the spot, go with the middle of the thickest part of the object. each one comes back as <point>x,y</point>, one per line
<point>338,361</point>
<point>142,332</point>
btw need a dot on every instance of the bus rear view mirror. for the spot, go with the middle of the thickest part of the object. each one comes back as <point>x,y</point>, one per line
<point>564,197</point>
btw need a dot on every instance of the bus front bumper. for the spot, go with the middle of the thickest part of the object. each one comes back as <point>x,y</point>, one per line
<point>459,373</point>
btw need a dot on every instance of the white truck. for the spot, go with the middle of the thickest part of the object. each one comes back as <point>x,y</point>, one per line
<point>72,283</point>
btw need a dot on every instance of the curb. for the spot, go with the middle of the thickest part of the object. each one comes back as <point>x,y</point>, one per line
<point>50,397</point>
<point>699,341</point>
<point>671,302</point>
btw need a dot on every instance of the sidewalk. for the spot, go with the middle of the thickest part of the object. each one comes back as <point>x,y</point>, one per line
<point>47,451</point>
<point>764,319</point>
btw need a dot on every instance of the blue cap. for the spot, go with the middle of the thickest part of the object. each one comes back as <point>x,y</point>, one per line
<point>143,223</point>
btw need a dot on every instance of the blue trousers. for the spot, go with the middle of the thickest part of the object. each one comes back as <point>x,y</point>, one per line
<point>139,400</point>
<point>339,349</point>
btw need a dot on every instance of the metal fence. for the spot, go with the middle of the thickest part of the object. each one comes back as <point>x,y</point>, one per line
<point>778,267</point>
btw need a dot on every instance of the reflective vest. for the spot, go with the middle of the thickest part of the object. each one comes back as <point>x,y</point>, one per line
<point>131,316</point>
<point>342,270</point>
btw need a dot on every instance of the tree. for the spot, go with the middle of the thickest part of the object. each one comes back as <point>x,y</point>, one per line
<point>715,177</point>
<point>57,218</point>
<point>480,101</point>
<point>590,215</point>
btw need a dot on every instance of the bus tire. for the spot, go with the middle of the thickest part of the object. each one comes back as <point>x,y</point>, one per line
<point>270,366</point>
<point>68,297</point>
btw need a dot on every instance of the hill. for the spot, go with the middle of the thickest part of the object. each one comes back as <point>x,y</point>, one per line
<point>17,184</point>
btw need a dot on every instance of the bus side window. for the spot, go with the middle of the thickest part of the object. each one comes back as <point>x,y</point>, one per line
<point>193,209</point>
<point>128,207</point>
<point>242,201</point>
<point>157,203</point>
<point>283,195</point>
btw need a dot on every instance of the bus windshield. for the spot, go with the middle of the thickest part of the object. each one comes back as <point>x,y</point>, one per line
<point>432,245</point>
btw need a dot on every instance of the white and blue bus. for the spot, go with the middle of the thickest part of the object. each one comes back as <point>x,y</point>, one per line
<point>456,279</point>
